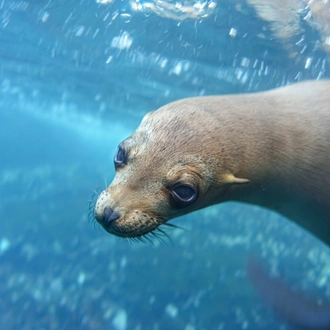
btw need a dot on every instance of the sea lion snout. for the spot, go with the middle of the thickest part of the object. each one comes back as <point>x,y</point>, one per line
<point>124,213</point>
<point>103,213</point>
<point>106,217</point>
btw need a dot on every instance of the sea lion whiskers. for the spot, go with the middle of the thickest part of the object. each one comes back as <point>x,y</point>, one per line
<point>91,207</point>
<point>157,234</point>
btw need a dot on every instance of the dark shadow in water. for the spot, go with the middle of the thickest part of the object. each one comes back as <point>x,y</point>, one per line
<point>298,309</point>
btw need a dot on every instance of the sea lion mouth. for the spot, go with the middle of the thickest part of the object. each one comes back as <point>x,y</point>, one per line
<point>142,233</point>
<point>127,229</point>
<point>145,229</point>
<point>132,225</point>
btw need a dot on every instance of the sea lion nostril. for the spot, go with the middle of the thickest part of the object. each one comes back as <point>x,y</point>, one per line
<point>109,215</point>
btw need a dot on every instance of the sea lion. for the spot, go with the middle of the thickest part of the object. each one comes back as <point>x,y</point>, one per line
<point>268,148</point>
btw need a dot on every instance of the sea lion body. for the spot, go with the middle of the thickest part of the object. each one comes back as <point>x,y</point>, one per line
<point>268,148</point>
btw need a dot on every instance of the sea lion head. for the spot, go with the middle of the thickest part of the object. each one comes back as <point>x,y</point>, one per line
<point>165,169</point>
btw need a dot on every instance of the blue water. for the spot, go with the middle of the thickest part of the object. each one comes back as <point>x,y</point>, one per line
<point>76,79</point>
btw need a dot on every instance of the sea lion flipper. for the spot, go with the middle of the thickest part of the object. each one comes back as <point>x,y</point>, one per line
<point>232,179</point>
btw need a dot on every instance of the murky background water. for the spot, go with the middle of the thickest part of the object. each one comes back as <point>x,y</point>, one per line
<point>76,79</point>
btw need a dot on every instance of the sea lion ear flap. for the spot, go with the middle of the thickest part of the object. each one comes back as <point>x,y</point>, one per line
<point>231,179</point>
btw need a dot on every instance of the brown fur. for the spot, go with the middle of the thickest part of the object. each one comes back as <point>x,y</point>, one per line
<point>270,148</point>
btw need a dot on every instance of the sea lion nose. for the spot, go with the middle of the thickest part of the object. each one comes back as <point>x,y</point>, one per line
<point>109,215</point>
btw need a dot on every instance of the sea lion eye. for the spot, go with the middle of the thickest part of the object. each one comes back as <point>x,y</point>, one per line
<point>120,157</point>
<point>184,194</point>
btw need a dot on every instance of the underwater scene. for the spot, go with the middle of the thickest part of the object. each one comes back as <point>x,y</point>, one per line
<point>77,77</point>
